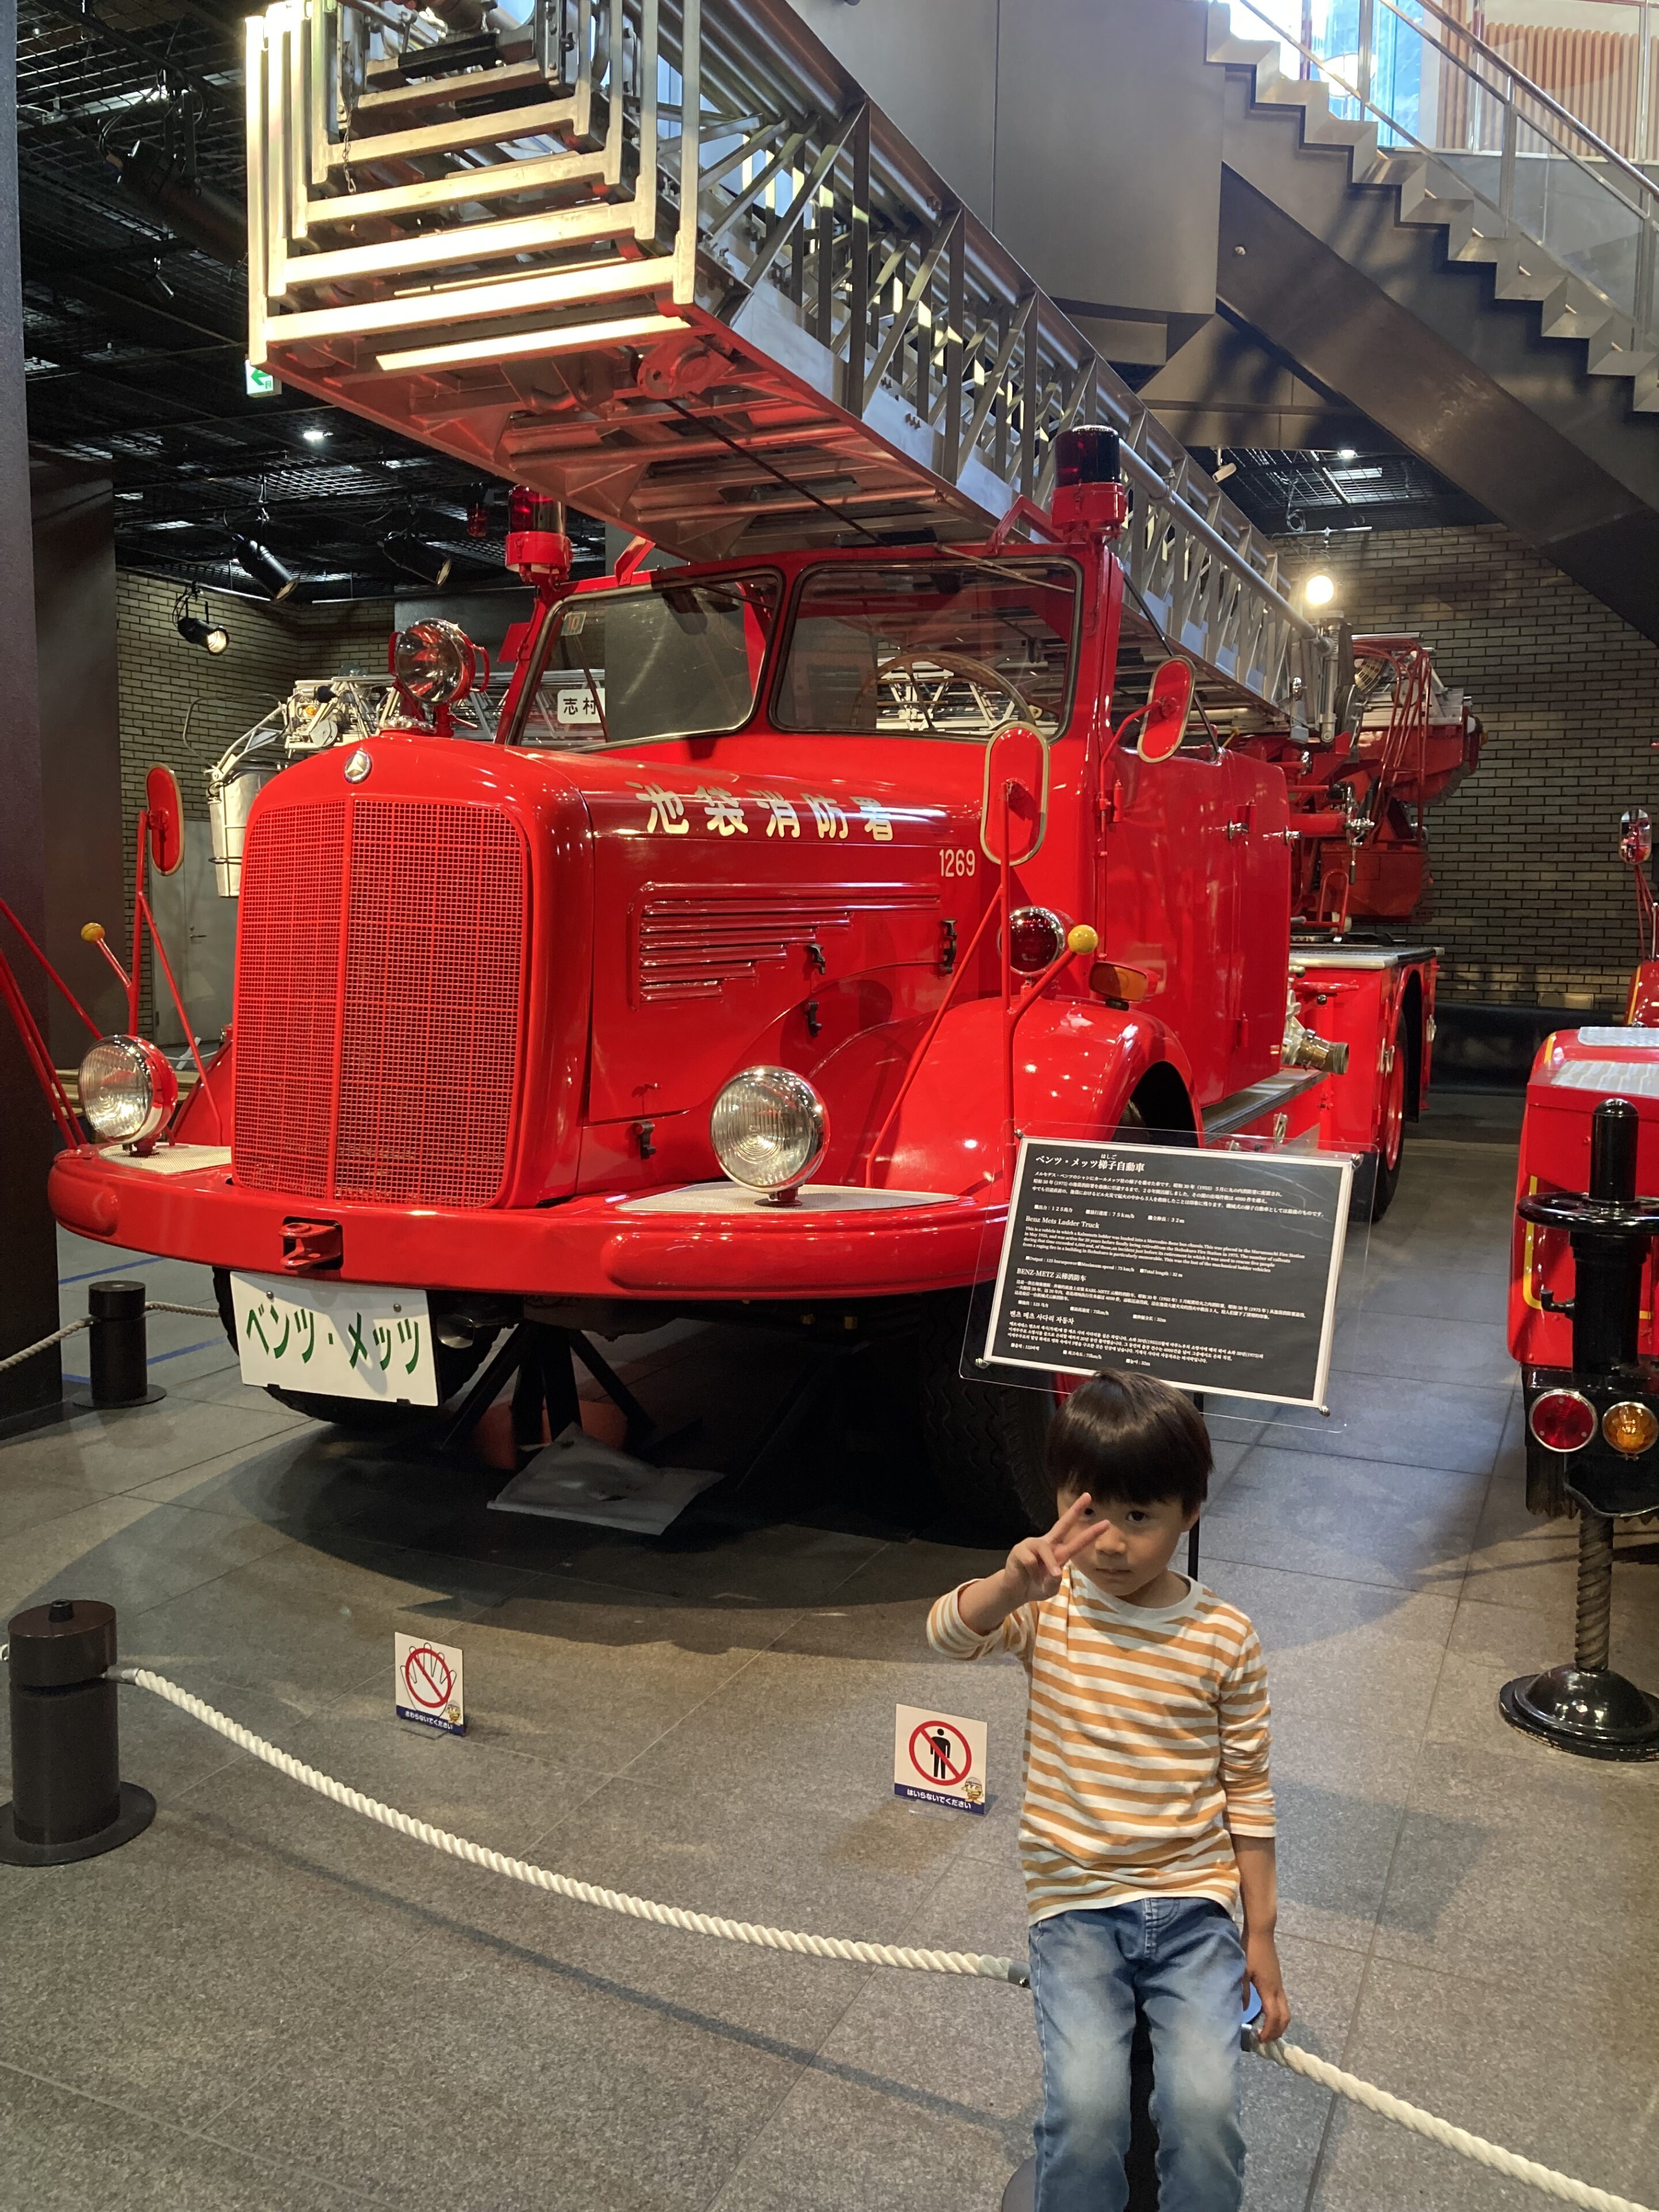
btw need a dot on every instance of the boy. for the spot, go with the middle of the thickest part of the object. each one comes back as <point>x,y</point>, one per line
<point>1147,1807</point>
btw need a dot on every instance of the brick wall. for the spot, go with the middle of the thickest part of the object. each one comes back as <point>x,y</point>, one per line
<point>1530,901</point>
<point>163,681</point>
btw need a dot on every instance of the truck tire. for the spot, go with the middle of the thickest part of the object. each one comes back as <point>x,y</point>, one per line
<point>986,1441</point>
<point>1391,1137</point>
<point>359,1415</point>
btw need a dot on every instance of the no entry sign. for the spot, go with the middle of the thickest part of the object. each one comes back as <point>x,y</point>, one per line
<point>939,1758</point>
<point>425,1684</point>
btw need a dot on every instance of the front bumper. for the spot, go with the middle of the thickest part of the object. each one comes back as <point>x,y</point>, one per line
<point>708,1245</point>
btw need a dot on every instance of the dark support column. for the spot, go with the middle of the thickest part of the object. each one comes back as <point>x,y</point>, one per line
<point>28,1279</point>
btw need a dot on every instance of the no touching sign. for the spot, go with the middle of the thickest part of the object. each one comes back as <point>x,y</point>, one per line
<point>425,1684</point>
<point>938,1758</point>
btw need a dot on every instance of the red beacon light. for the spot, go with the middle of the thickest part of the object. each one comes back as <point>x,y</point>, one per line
<point>536,545</point>
<point>1090,498</point>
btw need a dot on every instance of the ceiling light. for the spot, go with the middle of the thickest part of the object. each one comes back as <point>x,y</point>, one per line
<point>272,574</point>
<point>1319,590</point>
<point>429,562</point>
<point>1346,453</point>
<point>314,434</point>
<point>199,629</point>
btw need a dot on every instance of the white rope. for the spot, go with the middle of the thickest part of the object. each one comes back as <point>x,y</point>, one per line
<point>564,1885</point>
<point>1442,2131</point>
<point>196,1313</point>
<point>45,1345</point>
<point>1287,2055</point>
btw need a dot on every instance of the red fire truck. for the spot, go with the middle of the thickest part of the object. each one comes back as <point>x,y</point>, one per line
<point>969,772</point>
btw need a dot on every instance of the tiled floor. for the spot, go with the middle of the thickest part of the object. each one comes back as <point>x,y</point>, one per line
<point>267,2003</point>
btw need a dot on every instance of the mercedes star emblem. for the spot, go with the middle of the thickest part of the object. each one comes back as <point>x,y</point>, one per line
<point>358,766</point>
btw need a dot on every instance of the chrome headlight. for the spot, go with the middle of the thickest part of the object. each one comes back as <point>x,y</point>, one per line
<point>436,662</point>
<point>128,1088</point>
<point>769,1128</point>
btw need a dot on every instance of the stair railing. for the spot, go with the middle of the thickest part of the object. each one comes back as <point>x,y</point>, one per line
<point>1602,227</point>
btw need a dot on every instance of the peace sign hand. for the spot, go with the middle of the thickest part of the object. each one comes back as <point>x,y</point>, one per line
<point>1037,1563</point>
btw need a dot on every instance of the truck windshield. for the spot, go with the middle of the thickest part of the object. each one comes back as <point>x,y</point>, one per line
<point>946,649</point>
<point>669,660</point>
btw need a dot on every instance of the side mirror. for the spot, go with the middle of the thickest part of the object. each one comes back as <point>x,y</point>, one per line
<point>165,809</point>
<point>1016,796</point>
<point>1636,838</point>
<point>1166,711</point>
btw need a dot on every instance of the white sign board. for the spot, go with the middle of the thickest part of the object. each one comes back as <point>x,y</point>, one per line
<point>425,1684</point>
<point>342,1340</point>
<point>939,1758</point>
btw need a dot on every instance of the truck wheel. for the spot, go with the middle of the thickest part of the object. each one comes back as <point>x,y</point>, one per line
<point>985,1443</point>
<point>360,1415</point>
<point>1391,1139</point>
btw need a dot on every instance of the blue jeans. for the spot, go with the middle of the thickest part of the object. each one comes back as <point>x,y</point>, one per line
<point>1182,1958</point>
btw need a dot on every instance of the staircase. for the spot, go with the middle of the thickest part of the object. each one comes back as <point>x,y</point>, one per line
<point>1408,279</point>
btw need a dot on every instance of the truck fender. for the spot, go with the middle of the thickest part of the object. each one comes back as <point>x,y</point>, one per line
<point>1077,1066</point>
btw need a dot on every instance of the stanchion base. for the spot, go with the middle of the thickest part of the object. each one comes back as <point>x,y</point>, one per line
<point>1597,1714</point>
<point>84,1402</point>
<point>1020,2195</point>
<point>137,1811</point>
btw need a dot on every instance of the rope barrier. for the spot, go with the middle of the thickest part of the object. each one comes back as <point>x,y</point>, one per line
<point>1287,2055</point>
<point>45,1344</point>
<point>157,1306</point>
<point>1426,2124</point>
<point>562,1885</point>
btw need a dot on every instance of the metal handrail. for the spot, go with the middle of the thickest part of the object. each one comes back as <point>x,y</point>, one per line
<point>1533,92</point>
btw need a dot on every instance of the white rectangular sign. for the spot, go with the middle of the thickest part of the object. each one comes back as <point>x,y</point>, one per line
<point>425,1684</point>
<point>343,1340</point>
<point>939,1758</point>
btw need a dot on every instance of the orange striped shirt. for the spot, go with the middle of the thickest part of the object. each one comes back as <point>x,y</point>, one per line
<point>1145,1742</point>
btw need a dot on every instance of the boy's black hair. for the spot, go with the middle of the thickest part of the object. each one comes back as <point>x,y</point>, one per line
<point>1132,1437</point>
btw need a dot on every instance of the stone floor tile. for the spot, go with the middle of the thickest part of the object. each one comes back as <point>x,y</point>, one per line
<point>1492,1644</point>
<point>1420,1348</point>
<point>1357,1520</point>
<point>109,1453</point>
<point>1430,1424</point>
<point>61,2151</point>
<point>1477,1294</point>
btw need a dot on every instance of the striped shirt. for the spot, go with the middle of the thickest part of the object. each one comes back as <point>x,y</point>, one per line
<point>1145,1742</point>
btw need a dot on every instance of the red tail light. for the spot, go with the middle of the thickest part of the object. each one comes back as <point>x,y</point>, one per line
<point>1562,1420</point>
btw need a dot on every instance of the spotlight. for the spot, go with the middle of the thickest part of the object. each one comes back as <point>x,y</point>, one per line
<point>314,434</point>
<point>1347,453</point>
<point>274,575</point>
<point>429,562</point>
<point>1319,590</point>
<point>199,629</point>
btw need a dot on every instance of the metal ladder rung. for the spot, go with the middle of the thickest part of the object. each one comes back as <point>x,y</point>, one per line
<point>454,137</point>
<point>476,242</point>
<point>437,91</point>
<point>500,181</point>
<point>599,280</point>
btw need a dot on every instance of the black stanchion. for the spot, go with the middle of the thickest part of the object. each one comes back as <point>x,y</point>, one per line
<point>120,1361</point>
<point>69,1801</point>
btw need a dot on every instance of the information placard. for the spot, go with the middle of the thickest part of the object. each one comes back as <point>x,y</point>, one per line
<point>1214,1271</point>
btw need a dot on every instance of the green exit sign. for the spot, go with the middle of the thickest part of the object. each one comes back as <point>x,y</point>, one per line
<point>260,382</point>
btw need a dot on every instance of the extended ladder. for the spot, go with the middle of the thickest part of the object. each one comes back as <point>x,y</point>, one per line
<point>778,328</point>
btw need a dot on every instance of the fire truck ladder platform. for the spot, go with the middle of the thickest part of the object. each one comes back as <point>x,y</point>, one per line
<point>777,328</point>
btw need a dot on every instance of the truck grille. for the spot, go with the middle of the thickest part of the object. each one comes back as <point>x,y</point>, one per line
<point>379,986</point>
